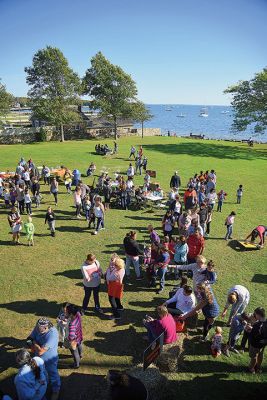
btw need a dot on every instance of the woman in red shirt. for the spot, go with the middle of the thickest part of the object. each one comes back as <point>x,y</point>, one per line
<point>196,244</point>
<point>165,323</point>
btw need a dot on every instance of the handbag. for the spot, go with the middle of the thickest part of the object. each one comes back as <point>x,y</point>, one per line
<point>180,325</point>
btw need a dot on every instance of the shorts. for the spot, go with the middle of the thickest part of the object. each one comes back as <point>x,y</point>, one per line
<point>255,351</point>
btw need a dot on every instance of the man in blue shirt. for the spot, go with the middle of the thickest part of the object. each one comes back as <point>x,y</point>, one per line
<point>44,340</point>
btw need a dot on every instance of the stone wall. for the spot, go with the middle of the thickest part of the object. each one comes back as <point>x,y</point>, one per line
<point>149,131</point>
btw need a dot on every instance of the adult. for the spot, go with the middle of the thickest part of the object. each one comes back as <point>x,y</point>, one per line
<point>203,216</point>
<point>99,212</point>
<point>210,186</point>
<point>130,171</point>
<point>164,324</point>
<point>176,207</point>
<point>260,231</point>
<point>92,274</point>
<point>36,191</point>
<point>31,379</point>
<point>15,224</point>
<point>44,344</point>
<point>46,174</point>
<point>124,386</point>
<point>76,177</point>
<point>75,336</point>
<point>238,297</point>
<point>182,302</point>
<point>175,181</point>
<point>77,201</point>
<point>168,222</point>
<point>209,306</point>
<point>68,180</point>
<point>180,253</point>
<point>194,226</point>
<point>211,198</point>
<point>21,198</point>
<point>114,277</point>
<point>184,222</point>
<point>258,341</point>
<point>197,269</point>
<point>190,198</point>
<point>132,253</point>
<point>154,237</point>
<point>54,189</point>
<point>196,244</point>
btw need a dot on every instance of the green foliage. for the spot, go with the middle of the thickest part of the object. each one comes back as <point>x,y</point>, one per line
<point>41,135</point>
<point>6,100</point>
<point>112,90</point>
<point>23,101</point>
<point>250,103</point>
<point>141,114</point>
<point>54,88</point>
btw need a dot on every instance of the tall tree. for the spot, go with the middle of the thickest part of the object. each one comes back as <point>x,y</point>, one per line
<point>141,114</point>
<point>6,100</point>
<point>54,88</point>
<point>250,103</point>
<point>112,91</point>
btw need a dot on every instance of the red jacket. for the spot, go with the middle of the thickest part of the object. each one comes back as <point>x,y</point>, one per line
<point>195,245</point>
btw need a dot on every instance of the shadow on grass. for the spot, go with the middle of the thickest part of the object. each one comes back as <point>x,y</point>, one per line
<point>77,229</point>
<point>259,278</point>
<point>206,149</point>
<point>39,307</point>
<point>8,346</point>
<point>70,273</point>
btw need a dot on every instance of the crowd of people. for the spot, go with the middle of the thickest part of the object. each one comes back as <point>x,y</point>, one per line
<point>175,250</point>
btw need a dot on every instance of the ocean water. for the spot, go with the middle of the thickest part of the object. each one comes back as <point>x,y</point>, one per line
<point>216,126</point>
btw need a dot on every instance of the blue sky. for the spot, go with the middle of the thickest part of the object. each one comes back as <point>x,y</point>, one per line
<point>177,51</point>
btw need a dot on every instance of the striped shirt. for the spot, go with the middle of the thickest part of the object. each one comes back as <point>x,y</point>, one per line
<point>75,329</point>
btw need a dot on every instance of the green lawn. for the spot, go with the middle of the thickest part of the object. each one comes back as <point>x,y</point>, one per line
<point>34,281</point>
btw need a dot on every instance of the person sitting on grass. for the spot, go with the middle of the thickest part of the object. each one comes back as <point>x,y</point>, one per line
<point>182,302</point>
<point>165,324</point>
<point>209,306</point>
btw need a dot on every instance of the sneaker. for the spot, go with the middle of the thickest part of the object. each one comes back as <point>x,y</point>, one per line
<point>95,232</point>
<point>99,310</point>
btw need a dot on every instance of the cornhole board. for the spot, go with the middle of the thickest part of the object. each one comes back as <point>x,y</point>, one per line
<point>249,245</point>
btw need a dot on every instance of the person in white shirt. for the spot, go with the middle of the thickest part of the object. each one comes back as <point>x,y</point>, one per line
<point>130,171</point>
<point>238,297</point>
<point>182,302</point>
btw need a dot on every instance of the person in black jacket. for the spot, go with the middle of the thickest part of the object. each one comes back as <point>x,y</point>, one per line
<point>132,253</point>
<point>175,181</point>
<point>257,340</point>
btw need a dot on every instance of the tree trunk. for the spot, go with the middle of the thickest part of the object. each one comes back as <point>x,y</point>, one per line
<point>62,133</point>
<point>115,127</point>
<point>142,129</point>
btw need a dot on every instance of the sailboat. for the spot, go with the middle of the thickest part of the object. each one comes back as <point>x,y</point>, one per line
<point>203,112</point>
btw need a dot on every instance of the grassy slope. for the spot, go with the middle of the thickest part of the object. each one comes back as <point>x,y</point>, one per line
<point>34,281</point>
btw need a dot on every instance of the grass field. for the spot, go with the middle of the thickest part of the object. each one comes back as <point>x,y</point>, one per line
<point>35,281</point>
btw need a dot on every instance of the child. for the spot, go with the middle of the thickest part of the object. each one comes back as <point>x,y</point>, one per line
<point>62,323</point>
<point>29,229</point>
<point>210,274</point>
<point>7,197</point>
<point>229,222</point>
<point>87,207</point>
<point>221,197</point>
<point>239,194</point>
<point>147,255</point>
<point>216,345</point>
<point>50,218</point>
<point>28,202</point>
<point>91,219</point>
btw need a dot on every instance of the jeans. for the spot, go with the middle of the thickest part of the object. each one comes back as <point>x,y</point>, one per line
<point>129,261</point>
<point>99,223</point>
<point>208,228</point>
<point>78,209</point>
<point>173,310</point>
<point>53,375</point>
<point>238,199</point>
<point>229,231</point>
<point>115,304</point>
<point>52,225</point>
<point>123,202</point>
<point>37,200</point>
<point>87,295</point>
<point>128,199</point>
<point>55,196</point>
<point>161,274</point>
<point>77,354</point>
<point>29,208</point>
<point>21,206</point>
<point>47,180</point>
<point>219,206</point>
